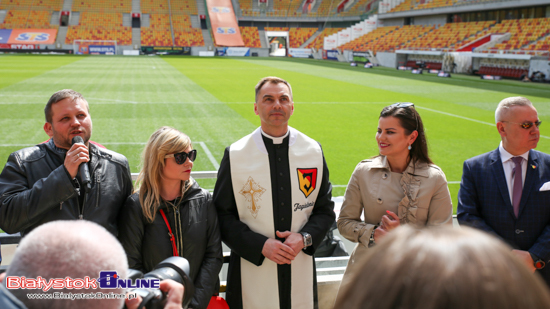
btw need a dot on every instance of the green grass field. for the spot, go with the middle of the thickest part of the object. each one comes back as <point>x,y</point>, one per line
<point>211,100</point>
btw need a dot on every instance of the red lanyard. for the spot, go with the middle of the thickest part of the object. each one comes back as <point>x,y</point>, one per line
<point>172,239</point>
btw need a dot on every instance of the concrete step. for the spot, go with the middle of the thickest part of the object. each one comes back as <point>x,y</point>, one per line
<point>145,21</point>
<point>67,5</point>
<point>195,21</point>
<point>61,35</point>
<point>263,39</point>
<point>3,14</point>
<point>201,7</point>
<point>74,19</point>
<point>126,19</point>
<point>54,20</point>
<point>207,38</point>
<point>136,6</point>
<point>136,37</point>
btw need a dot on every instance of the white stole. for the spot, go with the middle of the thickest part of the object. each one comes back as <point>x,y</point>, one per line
<point>251,178</point>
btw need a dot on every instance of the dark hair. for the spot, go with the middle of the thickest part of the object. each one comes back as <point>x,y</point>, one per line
<point>410,120</point>
<point>273,80</point>
<point>61,95</point>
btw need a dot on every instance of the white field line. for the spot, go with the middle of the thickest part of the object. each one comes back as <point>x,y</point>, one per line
<point>465,118</point>
<point>209,155</point>
<point>203,145</point>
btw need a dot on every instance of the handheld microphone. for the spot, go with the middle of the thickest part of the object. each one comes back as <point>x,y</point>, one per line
<point>83,170</point>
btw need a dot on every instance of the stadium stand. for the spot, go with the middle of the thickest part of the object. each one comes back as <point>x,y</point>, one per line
<point>299,36</point>
<point>358,8</point>
<point>403,6</point>
<point>155,6</point>
<point>100,26</point>
<point>325,8</point>
<point>319,40</point>
<point>450,36</point>
<point>523,32</point>
<point>364,42</point>
<point>184,33</point>
<point>394,39</point>
<point>286,7</point>
<point>408,5</point>
<point>44,5</point>
<point>542,44</point>
<point>184,6</point>
<point>251,36</point>
<point>26,14</point>
<point>158,33</point>
<point>246,8</point>
<point>16,19</point>
<point>276,28</point>
<point>107,6</point>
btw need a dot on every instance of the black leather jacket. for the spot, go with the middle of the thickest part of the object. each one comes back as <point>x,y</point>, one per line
<point>147,244</point>
<point>35,188</point>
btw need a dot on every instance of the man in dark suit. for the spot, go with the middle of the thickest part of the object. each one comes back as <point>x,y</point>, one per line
<point>506,191</point>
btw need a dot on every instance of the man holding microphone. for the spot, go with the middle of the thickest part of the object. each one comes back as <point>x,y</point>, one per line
<point>42,183</point>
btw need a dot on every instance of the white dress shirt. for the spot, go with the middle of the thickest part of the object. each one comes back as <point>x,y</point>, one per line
<point>509,166</point>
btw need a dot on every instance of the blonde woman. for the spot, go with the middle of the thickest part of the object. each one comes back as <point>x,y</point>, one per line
<point>169,214</point>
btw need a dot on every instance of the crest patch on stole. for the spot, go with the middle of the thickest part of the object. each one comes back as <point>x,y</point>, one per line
<point>252,192</point>
<point>307,178</point>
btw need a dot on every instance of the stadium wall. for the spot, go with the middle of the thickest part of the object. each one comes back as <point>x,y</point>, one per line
<point>394,22</point>
<point>541,65</point>
<point>430,20</point>
<point>485,6</point>
<point>387,59</point>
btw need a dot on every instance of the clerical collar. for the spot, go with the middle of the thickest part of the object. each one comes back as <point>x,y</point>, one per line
<point>276,140</point>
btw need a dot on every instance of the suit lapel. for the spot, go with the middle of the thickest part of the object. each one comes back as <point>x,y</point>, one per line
<point>498,175</point>
<point>531,177</point>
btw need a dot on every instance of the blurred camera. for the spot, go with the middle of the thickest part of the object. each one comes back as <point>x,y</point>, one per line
<point>175,268</point>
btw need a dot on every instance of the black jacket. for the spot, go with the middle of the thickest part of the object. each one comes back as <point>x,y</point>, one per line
<point>147,244</point>
<point>35,188</point>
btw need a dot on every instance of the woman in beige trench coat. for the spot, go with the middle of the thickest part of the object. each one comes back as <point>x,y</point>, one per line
<point>399,186</point>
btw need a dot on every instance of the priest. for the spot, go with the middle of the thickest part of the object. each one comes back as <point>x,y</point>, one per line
<point>273,198</point>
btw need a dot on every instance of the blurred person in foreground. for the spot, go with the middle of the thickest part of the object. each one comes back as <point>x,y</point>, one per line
<point>42,183</point>
<point>399,186</point>
<point>442,267</point>
<point>273,198</point>
<point>506,192</point>
<point>76,250</point>
<point>171,215</point>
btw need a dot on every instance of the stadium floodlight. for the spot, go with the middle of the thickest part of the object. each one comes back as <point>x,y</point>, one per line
<point>94,47</point>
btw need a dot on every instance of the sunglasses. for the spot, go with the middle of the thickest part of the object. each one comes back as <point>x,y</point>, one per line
<point>181,157</point>
<point>405,105</point>
<point>528,124</point>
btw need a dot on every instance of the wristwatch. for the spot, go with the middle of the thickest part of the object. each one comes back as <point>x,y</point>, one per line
<point>539,264</point>
<point>307,239</point>
<point>371,239</point>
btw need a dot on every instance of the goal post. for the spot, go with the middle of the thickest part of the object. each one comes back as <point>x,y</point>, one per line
<point>94,47</point>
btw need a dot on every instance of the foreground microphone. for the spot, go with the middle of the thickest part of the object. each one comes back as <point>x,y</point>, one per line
<point>83,170</point>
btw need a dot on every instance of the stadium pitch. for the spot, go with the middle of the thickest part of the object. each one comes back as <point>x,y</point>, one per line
<point>210,99</point>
